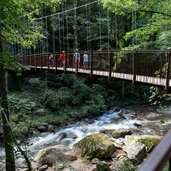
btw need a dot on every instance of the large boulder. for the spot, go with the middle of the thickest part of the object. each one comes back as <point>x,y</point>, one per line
<point>95,146</point>
<point>148,140</point>
<point>136,152</point>
<point>50,155</point>
<point>121,133</point>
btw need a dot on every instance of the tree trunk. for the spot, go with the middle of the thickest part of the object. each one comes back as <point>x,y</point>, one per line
<point>8,141</point>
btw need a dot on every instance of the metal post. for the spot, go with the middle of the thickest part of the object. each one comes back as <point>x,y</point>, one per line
<point>133,67</point>
<point>76,71</point>
<point>168,71</point>
<point>56,63</point>
<point>110,65</point>
<point>91,64</point>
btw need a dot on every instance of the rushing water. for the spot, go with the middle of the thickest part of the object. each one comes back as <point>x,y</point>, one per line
<point>75,132</point>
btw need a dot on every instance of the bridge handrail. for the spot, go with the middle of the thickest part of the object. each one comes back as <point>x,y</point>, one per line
<point>159,156</point>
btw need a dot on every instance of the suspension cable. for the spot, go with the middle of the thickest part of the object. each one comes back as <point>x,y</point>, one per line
<point>63,28</point>
<point>59,37</point>
<point>47,44</point>
<point>67,25</point>
<point>53,38</point>
<point>75,29</point>
<point>72,9</point>
<point>42,26</point>
<point>87,28</point>
<point>100,28</point>
<point>134,22</point>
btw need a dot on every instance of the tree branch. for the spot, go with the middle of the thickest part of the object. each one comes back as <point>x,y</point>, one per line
<point>15,140</point>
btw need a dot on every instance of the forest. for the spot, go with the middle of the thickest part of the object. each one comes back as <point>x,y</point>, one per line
<point>44,100</point>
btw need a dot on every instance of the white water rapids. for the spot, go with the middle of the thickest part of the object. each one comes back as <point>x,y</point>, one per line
<point>72,133</point>
<point>75,132</point>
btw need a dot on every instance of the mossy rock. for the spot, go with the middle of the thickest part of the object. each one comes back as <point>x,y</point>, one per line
<point>95,146</point>
<point>148,140</point>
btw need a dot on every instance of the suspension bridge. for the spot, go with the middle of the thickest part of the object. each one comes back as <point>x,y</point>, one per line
<point>148,67</point>
<point>62,32</point>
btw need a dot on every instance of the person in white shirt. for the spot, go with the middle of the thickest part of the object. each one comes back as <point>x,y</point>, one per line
<point>85,60</point>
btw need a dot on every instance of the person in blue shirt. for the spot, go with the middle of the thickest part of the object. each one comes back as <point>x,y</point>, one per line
<point>76,58</point>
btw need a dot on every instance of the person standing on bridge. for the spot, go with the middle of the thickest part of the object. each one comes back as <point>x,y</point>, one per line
<point>51,60</point>
<point>63,58</point>
<point>85,60</point>
<point>76,58</point>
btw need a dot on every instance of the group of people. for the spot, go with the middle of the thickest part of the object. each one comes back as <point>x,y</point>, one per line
<point>76,57</point>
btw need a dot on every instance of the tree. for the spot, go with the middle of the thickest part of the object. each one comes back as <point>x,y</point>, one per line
<point>150,20</point>
<point>14,17</point>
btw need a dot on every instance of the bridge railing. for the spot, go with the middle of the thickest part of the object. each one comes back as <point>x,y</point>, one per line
<point>159,157</point>
<point>146,63</point>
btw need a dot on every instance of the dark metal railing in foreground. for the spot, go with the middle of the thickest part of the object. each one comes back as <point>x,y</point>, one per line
<point>159,157</point>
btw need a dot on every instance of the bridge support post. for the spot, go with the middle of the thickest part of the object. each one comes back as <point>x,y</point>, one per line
<point>110,65</point>
<point>55,63</point>
<point>41,61</point>
<point>133,67</point>
<point>48,63</point>
<point>76,70</point>
<point>167,71</point>
<point>91,64</point>
<point>35,57</point>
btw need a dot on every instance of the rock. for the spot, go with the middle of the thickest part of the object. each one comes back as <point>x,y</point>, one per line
<point>61,136</point>
<point>50,155</point>
<point>44,167</point>
<point>42,128</point>
<point>95,146</point>
<point>120,133</point>
<point>107,131</point>
<point>153,116</point>
<point>51,128</point>
<point>165,110</point>
<point>137,124</point>
<point>148,140</point>
<point>80,165</point>
<point>119,154</point>
<point>136,152</point>
<point>117,145</point>
<point>20,163</point>
<point>95,161</point>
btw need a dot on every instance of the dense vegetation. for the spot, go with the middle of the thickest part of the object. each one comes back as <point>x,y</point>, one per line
<point>65,98</point>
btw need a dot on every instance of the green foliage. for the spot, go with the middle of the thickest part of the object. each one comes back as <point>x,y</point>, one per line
<point>156,96</point>
<point>18,105</point>
<point>57,99</point>
<point>36,85</point>
<point>150,28</point>
<point>102,167</point>
<point>117,59</point>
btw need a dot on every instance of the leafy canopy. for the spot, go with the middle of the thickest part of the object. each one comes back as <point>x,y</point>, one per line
<point>151,21</point>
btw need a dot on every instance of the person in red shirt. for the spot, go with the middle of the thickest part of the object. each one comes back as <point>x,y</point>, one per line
<point>63,58</point>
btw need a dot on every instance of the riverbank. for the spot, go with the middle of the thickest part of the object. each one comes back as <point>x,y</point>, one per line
<point>138,120</point>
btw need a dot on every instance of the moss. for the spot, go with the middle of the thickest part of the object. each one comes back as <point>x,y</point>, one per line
<point>96,146</point>
<point>148,140</point>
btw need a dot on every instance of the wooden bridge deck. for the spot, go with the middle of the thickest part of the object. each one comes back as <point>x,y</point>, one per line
<point>147,67</point>
<point>123,76</point>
